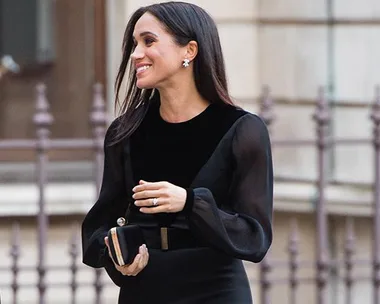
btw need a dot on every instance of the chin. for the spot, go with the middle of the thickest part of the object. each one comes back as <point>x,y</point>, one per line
<point>144,85</point>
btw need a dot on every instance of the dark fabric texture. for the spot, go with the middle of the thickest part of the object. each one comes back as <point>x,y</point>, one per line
<point>222,157</point>
<point>190,276</point>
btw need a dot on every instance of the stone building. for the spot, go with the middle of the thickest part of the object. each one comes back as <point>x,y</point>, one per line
<point>293,46</point>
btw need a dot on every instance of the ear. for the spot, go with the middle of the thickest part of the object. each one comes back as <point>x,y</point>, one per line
<point>191,50</point>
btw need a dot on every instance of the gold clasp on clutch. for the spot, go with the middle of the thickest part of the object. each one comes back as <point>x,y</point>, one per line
<point>164,238</point>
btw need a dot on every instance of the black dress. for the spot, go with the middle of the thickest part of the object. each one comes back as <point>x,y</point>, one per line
<point>222,157</point>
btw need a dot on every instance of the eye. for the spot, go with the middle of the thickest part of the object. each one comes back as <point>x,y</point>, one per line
<point>148,41</point>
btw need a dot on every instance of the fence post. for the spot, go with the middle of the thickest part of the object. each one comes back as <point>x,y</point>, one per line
<point>375,116</point>
<point>266,114</point>
<point>43,120</point>
<point>74,252</point>
<point>15,254</point>
<point>349,262</point>
<point>322,118</point>
<point>98,120</point>
<point>293,261</point>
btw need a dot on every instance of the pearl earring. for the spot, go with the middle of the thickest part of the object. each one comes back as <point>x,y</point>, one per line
<point>186,63</point>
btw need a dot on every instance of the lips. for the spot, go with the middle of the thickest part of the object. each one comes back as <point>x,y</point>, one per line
<point>142,68</point>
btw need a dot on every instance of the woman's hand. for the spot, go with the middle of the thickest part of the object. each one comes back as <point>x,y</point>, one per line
<point>159,197</point>
<point>138,264</point>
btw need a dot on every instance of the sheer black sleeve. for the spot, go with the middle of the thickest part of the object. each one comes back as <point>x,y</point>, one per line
<point>244,228</point>
<point>102,216</point>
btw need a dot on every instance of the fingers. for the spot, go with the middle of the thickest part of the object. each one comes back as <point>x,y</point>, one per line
<point>138,264</point>
<point>132,269</point>
<point>140,261</point>
<point>108,249</point>
<point>153,210</point>
<point>143,194</point>
<point>144,257</point>
<point>143,185</point>
<point>149,202</point>
<point>129,270</point>
<point>170,198</point>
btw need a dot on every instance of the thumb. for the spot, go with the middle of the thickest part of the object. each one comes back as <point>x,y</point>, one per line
<point>106,241</point>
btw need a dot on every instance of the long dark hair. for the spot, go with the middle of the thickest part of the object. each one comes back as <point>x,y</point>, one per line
<point>186,22</point>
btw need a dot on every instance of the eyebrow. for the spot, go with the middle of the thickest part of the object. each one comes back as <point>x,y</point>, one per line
<point>146,33</point>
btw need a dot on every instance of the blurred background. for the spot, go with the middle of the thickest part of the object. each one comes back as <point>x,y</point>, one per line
<point>58,62</point>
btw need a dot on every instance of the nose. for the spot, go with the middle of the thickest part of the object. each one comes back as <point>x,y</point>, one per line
<point>137,53</point>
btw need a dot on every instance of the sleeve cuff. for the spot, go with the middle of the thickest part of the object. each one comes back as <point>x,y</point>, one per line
<point>104,255</point>
<point>189,200</point>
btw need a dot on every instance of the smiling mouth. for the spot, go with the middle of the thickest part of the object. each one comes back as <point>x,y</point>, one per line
<point>142,69</point>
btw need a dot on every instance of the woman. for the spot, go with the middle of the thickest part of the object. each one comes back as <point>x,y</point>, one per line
<point>197,169</point>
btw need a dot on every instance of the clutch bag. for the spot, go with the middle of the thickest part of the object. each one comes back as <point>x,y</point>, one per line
<point>124,243</point>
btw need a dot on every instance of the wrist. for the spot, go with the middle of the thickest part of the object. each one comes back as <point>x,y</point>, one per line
<point>189,201</point>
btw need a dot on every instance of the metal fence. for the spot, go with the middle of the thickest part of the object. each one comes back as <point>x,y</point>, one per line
<point>42,144</point>
<point>322,263</point>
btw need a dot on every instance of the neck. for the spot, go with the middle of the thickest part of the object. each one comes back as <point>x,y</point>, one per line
<point>181,103</point>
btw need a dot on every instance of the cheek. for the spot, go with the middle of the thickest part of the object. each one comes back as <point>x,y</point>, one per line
<point>167,58</point>
<point>165,64</point>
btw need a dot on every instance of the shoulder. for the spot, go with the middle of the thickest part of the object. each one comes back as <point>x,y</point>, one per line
<point>252,122</point>
<point>240,123</point>
<point>225,117</point>
<point>251,133</point>
<point>239,116</point>
<point>243,121</point>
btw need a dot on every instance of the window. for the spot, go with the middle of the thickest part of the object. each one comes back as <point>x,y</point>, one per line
<point>26,30</point>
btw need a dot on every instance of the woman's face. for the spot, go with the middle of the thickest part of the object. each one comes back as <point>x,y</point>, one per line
<point>156,57</point>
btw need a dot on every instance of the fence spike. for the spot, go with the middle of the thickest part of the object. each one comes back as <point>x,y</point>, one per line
<point>266,106</point>
<point>42,118</point>
<point>98,115</point>
<point>322,116</point>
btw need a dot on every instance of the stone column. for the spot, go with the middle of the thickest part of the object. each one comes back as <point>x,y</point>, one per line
<point>117,18</point>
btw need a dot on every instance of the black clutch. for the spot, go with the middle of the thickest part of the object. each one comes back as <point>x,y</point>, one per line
<point>124,243</point>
